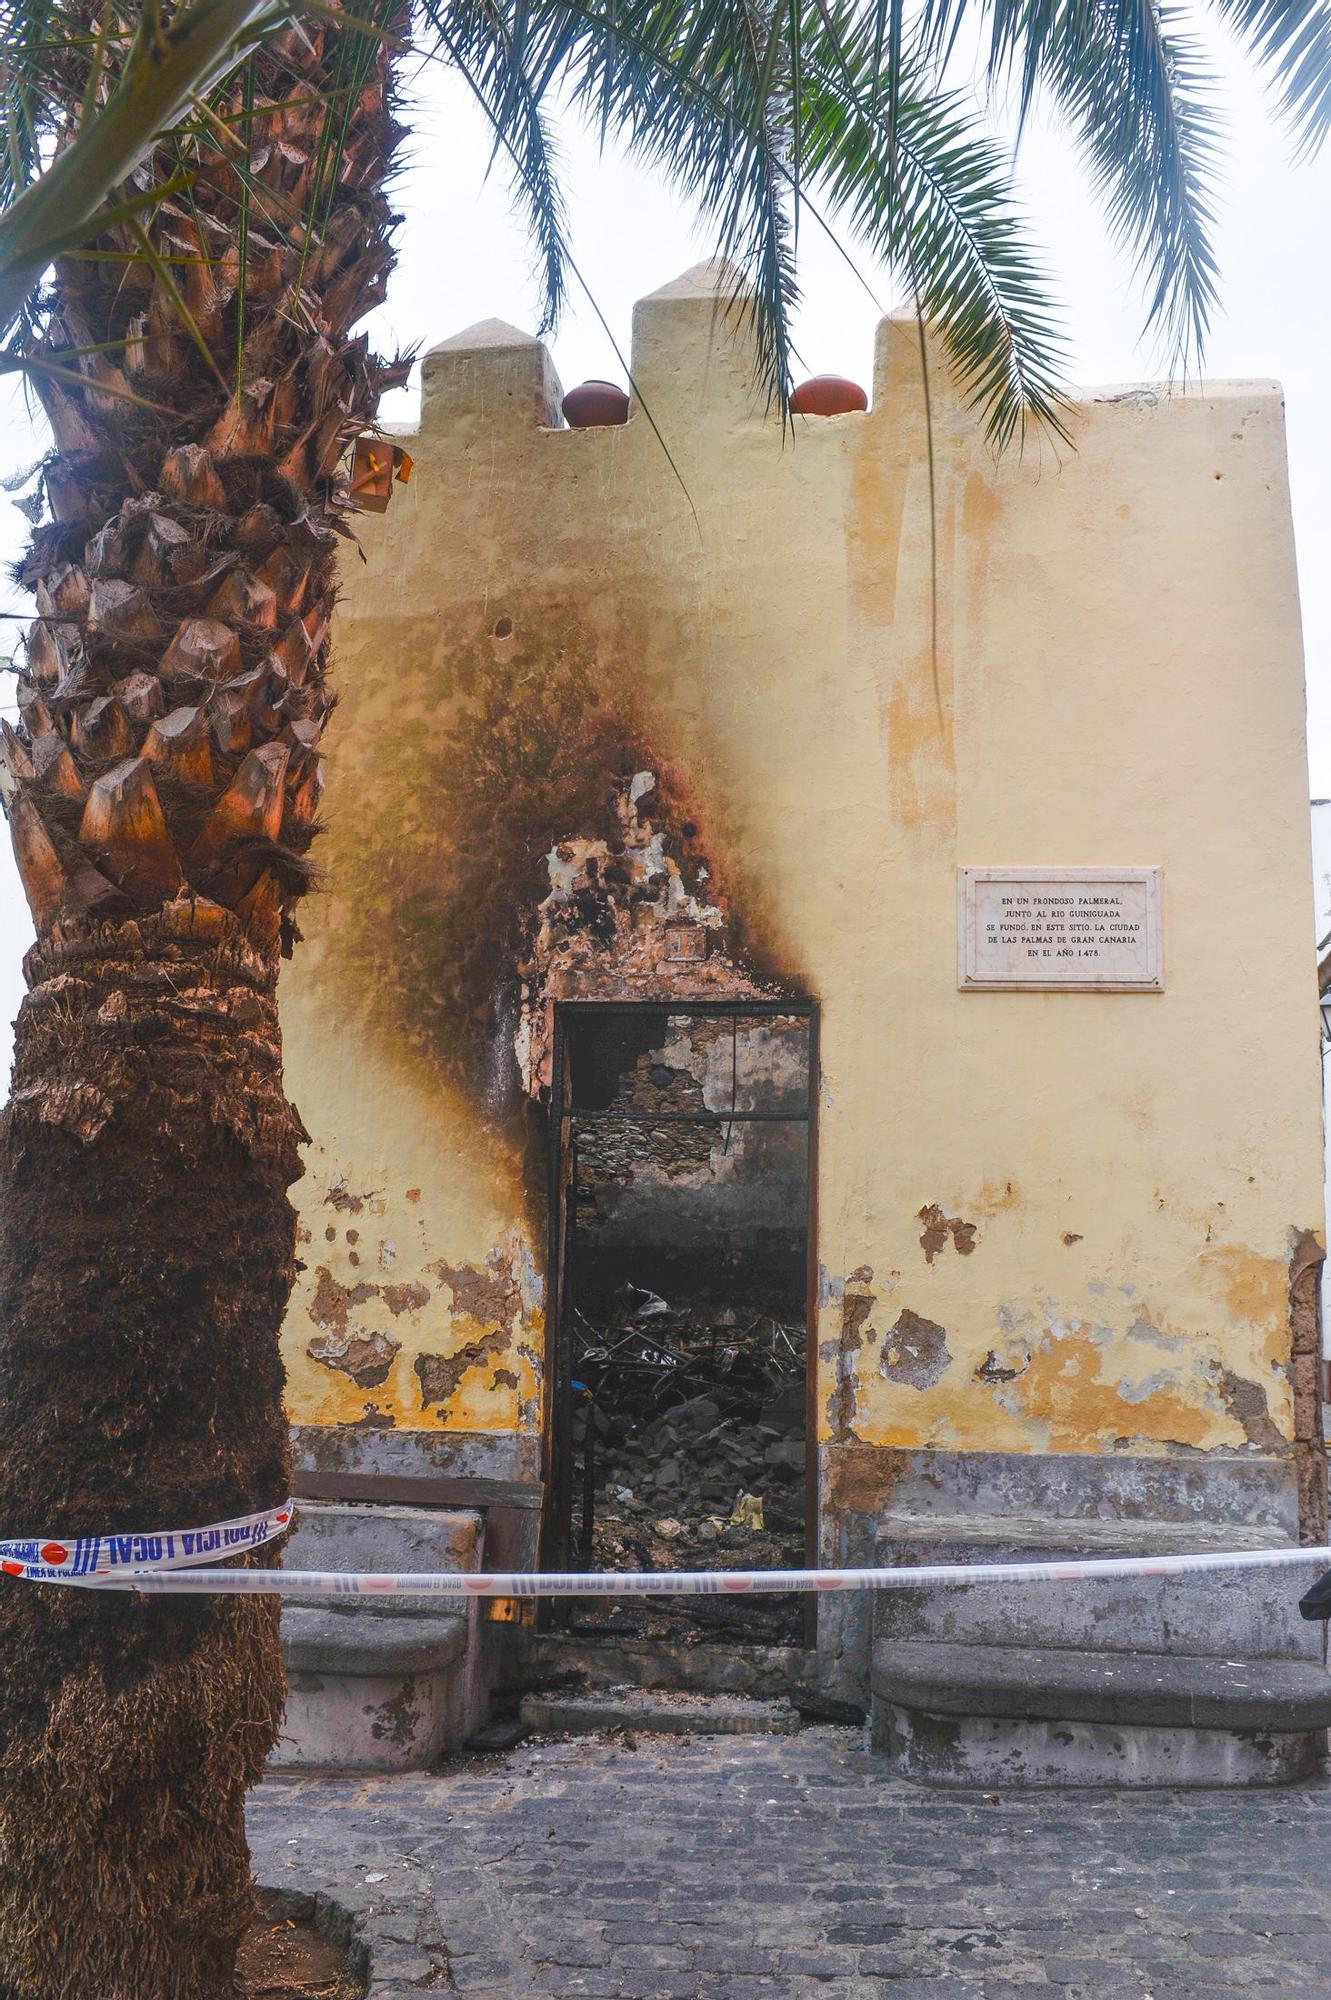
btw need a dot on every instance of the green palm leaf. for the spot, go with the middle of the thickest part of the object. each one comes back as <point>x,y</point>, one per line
<point>930,195</point>
<point>1138,97</point>
<point>1291,40</point>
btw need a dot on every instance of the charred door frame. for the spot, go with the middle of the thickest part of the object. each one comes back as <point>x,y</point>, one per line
<point>557,1459</point>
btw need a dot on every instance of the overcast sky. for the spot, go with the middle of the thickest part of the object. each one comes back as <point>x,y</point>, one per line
<point>464,257</point>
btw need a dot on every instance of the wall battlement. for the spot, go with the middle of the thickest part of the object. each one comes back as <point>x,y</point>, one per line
<point>691,363</point>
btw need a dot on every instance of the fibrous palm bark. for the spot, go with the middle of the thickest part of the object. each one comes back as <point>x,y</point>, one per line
<point>162,786</point>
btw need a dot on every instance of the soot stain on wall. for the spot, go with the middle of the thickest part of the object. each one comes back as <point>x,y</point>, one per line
<point>537,742</point>
<point>526,746</point>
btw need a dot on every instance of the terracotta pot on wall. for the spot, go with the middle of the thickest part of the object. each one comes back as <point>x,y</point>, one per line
<point>593,403</point>
<point>827,396</point>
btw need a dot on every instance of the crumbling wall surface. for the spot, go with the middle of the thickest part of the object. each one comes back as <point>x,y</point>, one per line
<point>383,1333</point>
<point>1048,1223</point>
<point>718,1205</point>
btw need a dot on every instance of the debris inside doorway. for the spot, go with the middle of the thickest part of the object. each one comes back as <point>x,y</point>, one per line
<point>689,1454</point>
<point>684,1184</point>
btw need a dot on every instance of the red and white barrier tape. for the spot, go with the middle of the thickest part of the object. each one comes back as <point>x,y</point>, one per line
<point>167,1563</point>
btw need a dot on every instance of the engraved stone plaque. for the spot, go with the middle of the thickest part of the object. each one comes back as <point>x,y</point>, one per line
<point>1061,930</point>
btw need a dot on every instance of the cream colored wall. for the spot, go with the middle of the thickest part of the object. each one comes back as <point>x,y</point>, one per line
<point>1117,680</point>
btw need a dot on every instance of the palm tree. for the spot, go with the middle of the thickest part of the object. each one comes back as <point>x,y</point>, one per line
<point>196,355</point>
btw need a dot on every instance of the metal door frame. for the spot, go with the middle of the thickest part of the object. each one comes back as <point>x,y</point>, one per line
<point>557,1466</point>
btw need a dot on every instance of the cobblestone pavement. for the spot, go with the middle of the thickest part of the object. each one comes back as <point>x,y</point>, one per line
<point>794,1868</point>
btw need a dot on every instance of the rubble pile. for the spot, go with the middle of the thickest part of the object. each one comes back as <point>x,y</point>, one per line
<point>689,1441</point>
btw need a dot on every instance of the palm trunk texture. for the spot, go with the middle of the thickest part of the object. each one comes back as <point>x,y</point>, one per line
<point>161,787</point>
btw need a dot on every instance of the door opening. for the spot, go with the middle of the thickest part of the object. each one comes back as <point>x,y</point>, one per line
<point>680,1235</point>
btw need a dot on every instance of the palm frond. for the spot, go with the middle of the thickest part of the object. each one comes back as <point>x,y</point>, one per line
<point>935,203</point>
<point>49,198</point>
<point>489,50</point>
<point>1291,40</point>
<point>1137,94</point>
<point>1130,80</point>
<point>712,95</point>
<point>701,92</point>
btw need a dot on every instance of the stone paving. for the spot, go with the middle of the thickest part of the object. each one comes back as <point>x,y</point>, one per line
<point>795,1868</point>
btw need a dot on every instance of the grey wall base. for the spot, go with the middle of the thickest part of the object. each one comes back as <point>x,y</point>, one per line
<point>1199,1679</point>
<point>371,1722</point>
<point>381,1684</point>
<point>956,1504</point>
<point>1004,1752</point>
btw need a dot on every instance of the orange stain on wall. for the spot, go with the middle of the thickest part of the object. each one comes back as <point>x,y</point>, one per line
<point>1255,1289</point>
<point>877,508</point>
<point>1064,1388</point>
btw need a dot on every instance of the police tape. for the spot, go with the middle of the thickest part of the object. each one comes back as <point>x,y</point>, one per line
<point>167,1564</point>
<point>103,1559</point>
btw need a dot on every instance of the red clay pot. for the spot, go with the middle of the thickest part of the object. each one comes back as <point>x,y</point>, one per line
<point>593,403</point>
<point>827,396</point>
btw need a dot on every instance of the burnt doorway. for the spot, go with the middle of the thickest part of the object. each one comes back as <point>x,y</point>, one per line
<point>681,1184</point>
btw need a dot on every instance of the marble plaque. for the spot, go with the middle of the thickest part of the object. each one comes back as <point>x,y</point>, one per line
<point>1060,930</point>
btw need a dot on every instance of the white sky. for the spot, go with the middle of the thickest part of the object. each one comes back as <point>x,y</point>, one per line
<point>464,257</point>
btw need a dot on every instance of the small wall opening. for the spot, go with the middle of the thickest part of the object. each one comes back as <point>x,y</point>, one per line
<point>683,1225</point>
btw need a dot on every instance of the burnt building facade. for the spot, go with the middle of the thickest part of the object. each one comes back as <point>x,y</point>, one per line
<point>809,1042</point>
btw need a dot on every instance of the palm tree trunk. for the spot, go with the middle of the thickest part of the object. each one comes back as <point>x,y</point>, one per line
<point>162,788</point>
<point>145,1264</point>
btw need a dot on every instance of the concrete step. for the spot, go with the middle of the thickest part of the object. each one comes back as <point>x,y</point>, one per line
<point>611,1661</point>
<point>1030,1715</point>
<point>1155,1690</point>
<point>380,1683</point>
<point>316,1640</point>
<point>1251,1613</point>
<point>656,1712</point>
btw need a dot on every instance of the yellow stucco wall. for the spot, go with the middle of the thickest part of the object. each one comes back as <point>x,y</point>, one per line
<point>1117,680</point>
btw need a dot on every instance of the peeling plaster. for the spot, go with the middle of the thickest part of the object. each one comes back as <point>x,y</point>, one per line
<point>491,1313</point>
<point>937,1229</point>
<point>857,1299</point>
<point>485,1294</point>
<point>366,1357</point>
<point>992,1370</point>
<point>915,1351</point>
<point>440,1375</point>
<point>339,1196</point>
<point>405,1298</point>
<point>1246,1403</point>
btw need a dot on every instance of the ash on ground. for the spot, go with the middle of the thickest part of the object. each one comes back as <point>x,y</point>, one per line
<point>690,1454</point>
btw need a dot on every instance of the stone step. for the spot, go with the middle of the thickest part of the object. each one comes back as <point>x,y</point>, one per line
<point>380,1683</point>
<point>359,1536</point>
<point>1034,1715</point>
<point>1247,1612</point>
<point>317,1640</point>
<point>1055,1684</point>
<point>656,1712</point>
<point>611,1660</point>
